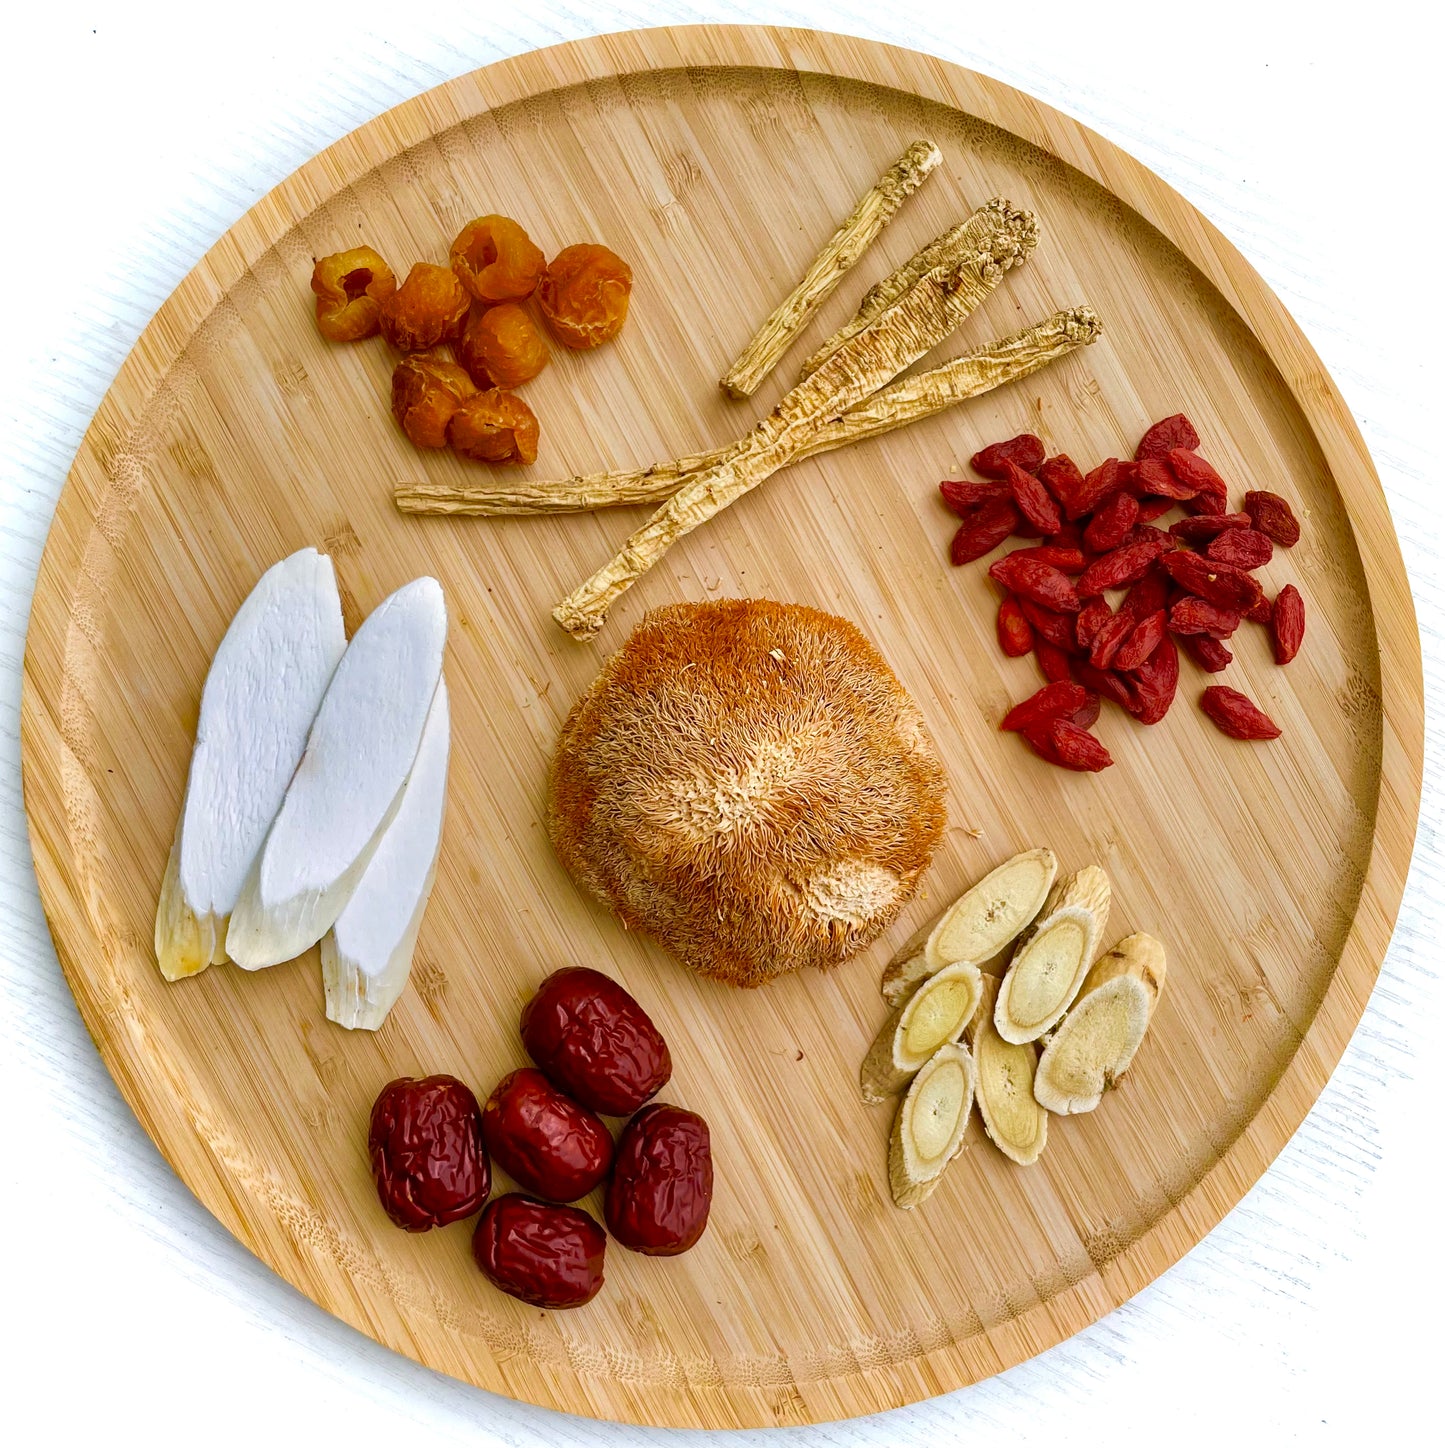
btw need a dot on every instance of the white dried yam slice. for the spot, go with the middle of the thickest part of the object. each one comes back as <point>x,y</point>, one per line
<point>928,1130</point>
<point>1004,1086</point>
<point>1093,1047</point>
<point>935,1014</point>
<point>979,924</point>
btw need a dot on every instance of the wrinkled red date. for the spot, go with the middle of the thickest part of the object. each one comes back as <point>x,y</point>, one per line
<point>661,1187</point>
<point>593,1041</point>
<point>540,1253</point>
<point>547,1143</point>
<point>427,1156</point>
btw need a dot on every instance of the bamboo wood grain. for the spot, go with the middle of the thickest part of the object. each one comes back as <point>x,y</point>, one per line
<point>233,435</point>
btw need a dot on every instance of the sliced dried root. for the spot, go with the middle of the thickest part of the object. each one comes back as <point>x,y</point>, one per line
<point>875,209</point>
<point>1004,1085</point>
<point>928,1130</point>
<point>1093,1047</point>
<point>979,924</point>
<point>912,326</point>
<point>1049,966</point>
<point>909,400</point>
<point>933,1016</point>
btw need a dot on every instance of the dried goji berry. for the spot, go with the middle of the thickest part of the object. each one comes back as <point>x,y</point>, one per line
<point>1208,653</point>
<point>1065,559</point>
<point>1064,743</point>
<point>1153,684</point>
<point>1111,523</point>
<point>1220,583</point>
<point>1061,476</point>
<point>1154,478</point>
<point>1053,701</point>
<point>1151,508</point>
<point>1143,639</point>
<point>1103,681</point>
<point>1148,595</point>
<point>1100,484</point>
<point>1037,581</point>
<point>1032,499</point>
<point>1087,715</point>
<point>963,496</point>
<point>1024,451</point>
<point>1287,627</point>
<point>1274,517</point>
<point>1107,638</point>
<point>1243,547</point>
<point>1193,472</point>
<point>1261,611</point>
<point>1198,616</point>
<point>1124,565</point>
<point>1015,633</point>
<point>1053,661</point>
<point>1091,619</point>
<point>985,527</point>
<point>1058,628</point>
<point>1207,526</point>
<point>1166,435</point>
<point>1234,714</point>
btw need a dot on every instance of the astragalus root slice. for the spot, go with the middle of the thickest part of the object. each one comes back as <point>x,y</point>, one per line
<point>928,1130</point>
<point>1093,1047</point>
<point>1049,964</point>
<point>979,924</point>
<point>1004,1085</point>
<point>908,400</point>
<point>841,252</point>
<point>934,1015</point>
<point>348,785</point>
<point>366,956</point>
<point>260,696</point>
<point>930,311</point>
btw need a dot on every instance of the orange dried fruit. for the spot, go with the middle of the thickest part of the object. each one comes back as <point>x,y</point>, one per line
<point>428,307</point>
<point>496,260</point>
<point>350,288</point>
<point>584,294</point>
<point>494,427</point>
<point>425,392</point>
<point>501,346</point>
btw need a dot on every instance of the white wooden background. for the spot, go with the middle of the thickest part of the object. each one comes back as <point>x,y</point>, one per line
<point>135,134</point>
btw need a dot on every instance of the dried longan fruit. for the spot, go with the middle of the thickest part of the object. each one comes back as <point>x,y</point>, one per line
<point>350,288</point>
<point>584,294</point>
<point>428,307</point>
<point>494,427</point>
<point>425,392</point>
<point>501,346</point>
<point>496,260</point>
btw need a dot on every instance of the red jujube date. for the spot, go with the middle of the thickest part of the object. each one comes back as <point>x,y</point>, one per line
<point>540,1253</point>
<point>661,1187</point>
<point>427,1154</point>
<point>547,1143</point>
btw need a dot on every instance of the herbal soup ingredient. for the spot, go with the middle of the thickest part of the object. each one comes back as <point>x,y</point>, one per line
<point>359,753</point>
<point>681,775</point>
<point>494,427</point>
<point>501,347</point>
<point>928,1129</point>
<point>660,1191</point>
<point>912,326</point>
<point>935,1014</point>
<point>584,294</point>
<point>1093,1046</point>
<point>545,1255</point>
<point>874,210</point>
<point>350,287</point>
<point>1004,1085</point>
<point>1050,963</point>
<point>366,955</point>
<point>427,1157</point>
<point>428,307</point>
<point>983,921</point>
<point>908,400</point>
<point>548,1144</point>
<point>264,686</point>
<point>496,261</point>
<point>426,391</point>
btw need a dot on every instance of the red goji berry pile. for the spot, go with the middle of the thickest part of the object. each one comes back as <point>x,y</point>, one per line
<point>1093,534</point>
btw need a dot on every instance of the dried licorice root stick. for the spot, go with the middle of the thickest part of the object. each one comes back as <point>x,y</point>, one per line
<point>910,399</point>
<point>915,324</point>
<point>875,209</point>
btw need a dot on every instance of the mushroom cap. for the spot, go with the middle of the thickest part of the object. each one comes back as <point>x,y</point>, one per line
<point>749,784</point>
